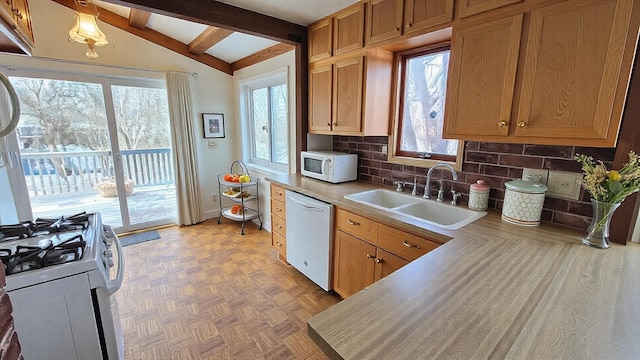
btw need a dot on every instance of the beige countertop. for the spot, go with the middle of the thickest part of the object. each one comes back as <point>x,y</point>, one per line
<point>492,291</point>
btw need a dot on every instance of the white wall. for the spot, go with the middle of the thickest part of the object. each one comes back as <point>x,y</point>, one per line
<point>133,56</point>
<point>283,61</point>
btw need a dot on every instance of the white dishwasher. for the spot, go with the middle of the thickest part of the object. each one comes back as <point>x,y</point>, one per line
<point>309,237</point>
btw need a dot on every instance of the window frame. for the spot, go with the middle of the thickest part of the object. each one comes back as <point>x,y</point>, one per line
<point>394,154</point>
<point>275,78</point>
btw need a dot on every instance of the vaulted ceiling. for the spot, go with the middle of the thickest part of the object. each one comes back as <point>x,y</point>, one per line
<point>221,48</point>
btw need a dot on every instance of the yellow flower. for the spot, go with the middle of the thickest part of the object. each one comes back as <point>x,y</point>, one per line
<point>614,175</point>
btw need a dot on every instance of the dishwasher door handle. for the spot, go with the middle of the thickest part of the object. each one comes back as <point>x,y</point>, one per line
<point>306,206</point>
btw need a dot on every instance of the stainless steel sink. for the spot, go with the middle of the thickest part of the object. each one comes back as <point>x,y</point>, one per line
<point>421,210</point>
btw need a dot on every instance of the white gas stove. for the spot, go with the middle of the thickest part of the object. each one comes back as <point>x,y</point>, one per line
<point>59,282</point>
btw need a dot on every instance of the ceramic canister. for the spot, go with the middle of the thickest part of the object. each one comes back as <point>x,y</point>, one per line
<point>523,201</point>
<point>479,196</point>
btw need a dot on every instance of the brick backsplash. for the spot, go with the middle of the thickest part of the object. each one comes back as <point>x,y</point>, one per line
<point>495,163</point>
<point>9,345</point>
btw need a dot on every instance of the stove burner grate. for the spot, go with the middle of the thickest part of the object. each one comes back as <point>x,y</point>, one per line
<point>41,226</point>
<point>28,258</point>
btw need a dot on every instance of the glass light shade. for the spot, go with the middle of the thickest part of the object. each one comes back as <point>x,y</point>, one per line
<point>86,30</point>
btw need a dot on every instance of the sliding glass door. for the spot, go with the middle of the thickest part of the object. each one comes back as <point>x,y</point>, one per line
<point>96,144</point>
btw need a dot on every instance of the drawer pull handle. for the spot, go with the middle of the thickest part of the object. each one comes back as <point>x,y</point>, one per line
<point>351,222</point>
<point>406,243</point>
<point>278,209</point>
<point>522,124</point>
<point>378,261</point>
<point>279,243</point>
<point>503,124</point>
<point>369,256</point>
<point>279,227</point>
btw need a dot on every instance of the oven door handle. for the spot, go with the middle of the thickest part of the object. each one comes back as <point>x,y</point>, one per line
<point>115,284</point>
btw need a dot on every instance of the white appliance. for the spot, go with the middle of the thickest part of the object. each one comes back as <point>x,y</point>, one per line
<point>331,166</point>
<point>309,237</point>
<point>65,308</point>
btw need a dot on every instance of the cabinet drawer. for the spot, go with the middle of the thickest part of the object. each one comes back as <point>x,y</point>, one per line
<point>403,244</point>
<point>280,243</point>
<point>277,193</point>
<point>279,225</point>
<point>357,226</point>
<point>278,208</point>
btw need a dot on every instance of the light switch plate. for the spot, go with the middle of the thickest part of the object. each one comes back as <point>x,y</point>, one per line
<point>563,184</point>
<point>543,173</point>
<point>213,144</point>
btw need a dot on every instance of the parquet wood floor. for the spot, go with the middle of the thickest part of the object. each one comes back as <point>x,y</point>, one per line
<point>206,292</point>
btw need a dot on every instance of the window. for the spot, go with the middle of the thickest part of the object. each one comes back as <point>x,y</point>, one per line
<point>417,132</point>
<point>268,122</point>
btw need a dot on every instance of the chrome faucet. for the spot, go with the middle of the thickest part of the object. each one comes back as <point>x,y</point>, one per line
<point>427,188</point>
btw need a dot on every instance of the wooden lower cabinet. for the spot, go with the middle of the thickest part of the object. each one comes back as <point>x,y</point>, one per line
<point>366,251</point>
<point>359,264</point>
<point>278,222</point>
<point>354,264</point>
<point>386,263</point>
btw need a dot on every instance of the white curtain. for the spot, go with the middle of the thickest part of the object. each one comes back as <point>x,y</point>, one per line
<point>185,161</point>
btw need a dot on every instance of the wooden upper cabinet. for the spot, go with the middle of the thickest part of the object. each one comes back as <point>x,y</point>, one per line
<point>384,20</point>
<point>349,29</point>
<point>320,98</point>
<point>571,70</point>
<point>472,7</point>
<point>359,90</point>
<point>22,17</point>
<point>16,35</point>
<point>482,72</point>
<point>347,95</point>
<point>320,39</point>
<point>421,14</point>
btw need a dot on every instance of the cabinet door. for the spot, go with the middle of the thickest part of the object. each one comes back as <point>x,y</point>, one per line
<point>354,264</point>
<point>572,64</point>
<point>320,87</point>
<point>384,20</point>
<point>5,9</point>
<point>421,14</point>
<point>320,39</point>
<point>347,95</point>
<point>387,263</point>
<point>482,73</point>
<point>23,19</point>
<point>349,29</point>
<point>472,7</point>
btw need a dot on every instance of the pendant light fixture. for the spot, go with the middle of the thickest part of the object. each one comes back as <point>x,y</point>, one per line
<point>86,30</point>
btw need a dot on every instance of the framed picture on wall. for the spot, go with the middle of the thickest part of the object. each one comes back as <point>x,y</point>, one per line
<point>213,125</point>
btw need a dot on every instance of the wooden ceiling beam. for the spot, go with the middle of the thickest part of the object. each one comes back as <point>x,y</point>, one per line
<point>207,39</point>
<point>139,18</point>
<point>222,15</point>
<point>261,56</point>
<point>122,23</point>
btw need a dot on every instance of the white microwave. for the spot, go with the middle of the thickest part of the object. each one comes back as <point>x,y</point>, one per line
<point>330,166</point>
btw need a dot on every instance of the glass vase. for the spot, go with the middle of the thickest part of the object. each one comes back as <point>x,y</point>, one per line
<point>599,229</point>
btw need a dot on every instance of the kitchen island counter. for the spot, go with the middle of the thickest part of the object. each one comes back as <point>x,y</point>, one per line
<point>492,290</point>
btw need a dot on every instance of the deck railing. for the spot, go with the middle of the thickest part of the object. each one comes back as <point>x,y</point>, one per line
<point>65,172</point>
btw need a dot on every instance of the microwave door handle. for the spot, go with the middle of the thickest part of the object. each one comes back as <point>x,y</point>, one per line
<point>324,165</point>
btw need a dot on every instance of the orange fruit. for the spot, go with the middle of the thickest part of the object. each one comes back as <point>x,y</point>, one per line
<point>235,209</point>
<point>227,177</point>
